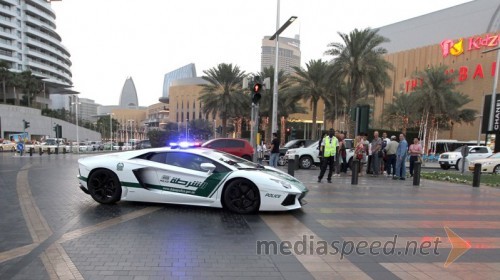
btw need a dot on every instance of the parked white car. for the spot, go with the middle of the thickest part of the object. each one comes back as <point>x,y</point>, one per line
<point>309,156</point>
<point>449,159</point>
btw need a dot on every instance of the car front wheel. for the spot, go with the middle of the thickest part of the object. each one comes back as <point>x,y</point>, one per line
<point>306,162</point>
<point>445,166</point>
<point>496,170</point>
<point>104,186</point>
<point>241,196</point>
<point>457,166</point>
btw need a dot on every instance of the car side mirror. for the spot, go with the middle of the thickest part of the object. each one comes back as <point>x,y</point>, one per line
<point>209,167</point>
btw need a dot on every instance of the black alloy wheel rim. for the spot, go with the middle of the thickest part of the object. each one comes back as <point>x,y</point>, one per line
<point>103,186</point>
<point>243,197</point>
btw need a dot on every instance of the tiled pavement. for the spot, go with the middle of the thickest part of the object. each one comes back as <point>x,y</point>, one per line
<point>50,230</point>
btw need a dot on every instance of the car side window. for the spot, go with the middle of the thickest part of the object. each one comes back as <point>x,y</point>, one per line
<point>482,150</point>
<point>235,144</point>
<point>217,144</point>
<point>159,157</point>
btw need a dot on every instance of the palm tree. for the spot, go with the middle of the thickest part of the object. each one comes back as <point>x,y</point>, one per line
<point>223,93</point>
<point>31,85</point>
<point>359,62</point>
<point>16,83</point>
<point>401,112</point>
<point>312,84</point>
<point>4,76</point>
<point>436,99</point>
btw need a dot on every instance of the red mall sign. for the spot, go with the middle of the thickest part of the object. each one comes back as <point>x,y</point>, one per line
<point>449,47</point>
<point>464,73</point>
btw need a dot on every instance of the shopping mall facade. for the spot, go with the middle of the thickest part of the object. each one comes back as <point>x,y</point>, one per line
<point>458,38</point>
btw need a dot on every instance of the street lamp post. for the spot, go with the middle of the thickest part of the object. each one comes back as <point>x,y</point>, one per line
<point>76,114</point>
<point>187,120</point>
<point>111,129</point>
<point>279,30</point>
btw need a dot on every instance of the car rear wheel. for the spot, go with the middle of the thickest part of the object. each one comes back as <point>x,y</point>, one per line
<point>445,166</point>
<point>282,160</point>
<point>104,186</point>
<point>496,170</point>
<point>306,162</point>
<point>242,196</point>
<point>247,157</point>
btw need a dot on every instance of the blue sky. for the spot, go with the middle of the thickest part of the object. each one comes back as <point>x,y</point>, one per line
<point>113,39</point>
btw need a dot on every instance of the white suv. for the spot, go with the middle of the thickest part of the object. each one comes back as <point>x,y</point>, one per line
<point>309,156</point>
<point>449,159</point>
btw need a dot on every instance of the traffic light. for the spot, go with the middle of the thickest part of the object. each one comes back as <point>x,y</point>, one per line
<point>257,88</point>
<point>26,124</point>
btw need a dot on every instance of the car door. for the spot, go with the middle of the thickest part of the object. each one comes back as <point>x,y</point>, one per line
<point>183,180</point>
<point>477,153</point>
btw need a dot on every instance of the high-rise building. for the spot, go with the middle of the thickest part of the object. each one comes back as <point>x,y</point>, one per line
<point>128,97</point>
<point>288,54</point>
<point>186,71</point>
<point>29,41</point>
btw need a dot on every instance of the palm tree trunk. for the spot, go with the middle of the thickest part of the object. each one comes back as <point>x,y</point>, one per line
<point>451,129</point>
<point>16,96</point>
<point>4,92</point>
<point>314,116</point>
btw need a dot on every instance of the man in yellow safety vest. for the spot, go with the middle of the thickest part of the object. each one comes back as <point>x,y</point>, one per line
<point>328,151</point>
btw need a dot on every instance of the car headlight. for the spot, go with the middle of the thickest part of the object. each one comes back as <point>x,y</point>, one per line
<point>488,163</point>
<point>285,184</point>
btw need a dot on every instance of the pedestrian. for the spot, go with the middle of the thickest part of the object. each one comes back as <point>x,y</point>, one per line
<point>390,151</point>
<point>328,150</point>
<point>342,153</point>
<point>320,155</point>
<point>401,154</point>
<point>415,153</point>
<point>377,153</point>
<point>359,152</point>
<point>260,152</point>
<point>275,151</point>
<point>385,142</point>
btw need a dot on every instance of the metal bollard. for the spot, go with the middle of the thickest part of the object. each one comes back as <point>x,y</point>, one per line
<point>355,171</point>
<point>296,162</point>
<point>56,150</point>
<point>476,179</point>
<point>31,151</point>
<point>48,151</point>
<point>291,167</point>
<point>416,173</point>
<point>40,151</point>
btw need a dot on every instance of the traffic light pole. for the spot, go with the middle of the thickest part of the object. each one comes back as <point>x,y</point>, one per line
<point>254,128</point>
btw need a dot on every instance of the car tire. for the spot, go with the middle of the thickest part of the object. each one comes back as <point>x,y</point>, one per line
<point>445,166</point>
<point>282,160</point>
<point>247,157</point>
<point>457,166</point>
<point>305,162</point>
<point>241,196</point>
<point>1,149</point>
<point>13,149</point>
<point>496,170</point>
<point>104,186</point>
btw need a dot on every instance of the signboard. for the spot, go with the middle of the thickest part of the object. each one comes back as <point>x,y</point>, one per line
<point>486,115</point>
<point>19,137</point>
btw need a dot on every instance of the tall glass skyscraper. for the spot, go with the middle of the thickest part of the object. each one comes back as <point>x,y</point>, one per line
<point>187,71</point>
